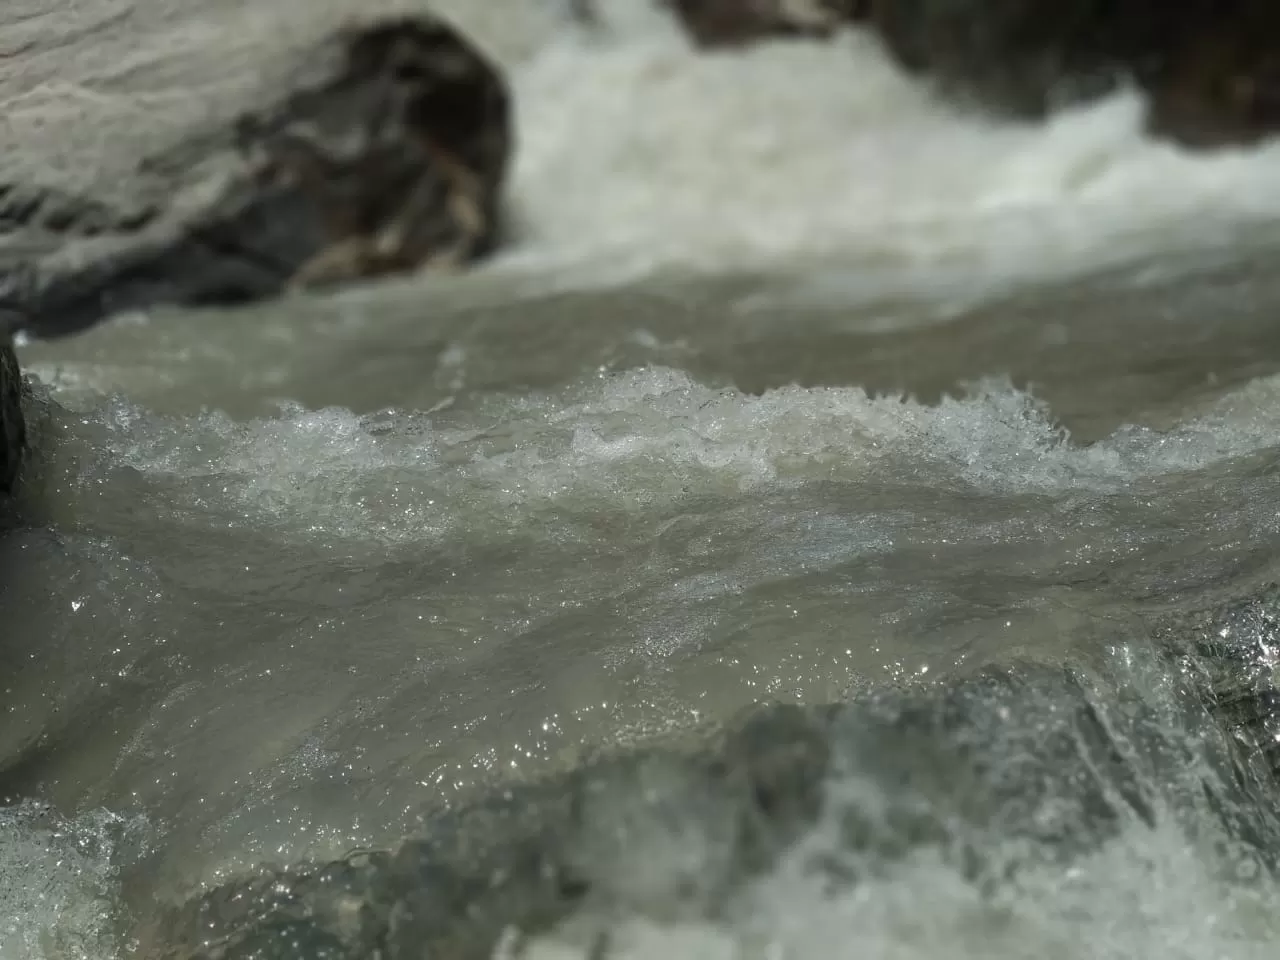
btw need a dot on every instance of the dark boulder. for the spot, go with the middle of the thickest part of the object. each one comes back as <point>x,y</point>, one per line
<point>724,23</point>
<point>387,155</point>
<point>1211,68</point>
<point>12,428</point>
<point>1222,85</point>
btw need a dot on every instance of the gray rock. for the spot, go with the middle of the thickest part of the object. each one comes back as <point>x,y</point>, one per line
<point>998,771</point>
<point>386,155</point>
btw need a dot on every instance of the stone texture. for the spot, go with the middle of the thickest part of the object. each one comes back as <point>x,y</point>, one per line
<point>50,210</point>
<point>387,154</point>
<point>1210,67</point>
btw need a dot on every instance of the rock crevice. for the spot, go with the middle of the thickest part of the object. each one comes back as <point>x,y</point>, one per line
<point>1003,771</point>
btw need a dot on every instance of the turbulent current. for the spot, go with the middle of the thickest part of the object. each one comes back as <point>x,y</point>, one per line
<point>793,385</point>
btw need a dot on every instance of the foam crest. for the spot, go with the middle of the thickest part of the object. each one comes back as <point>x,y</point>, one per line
<point>643,440</point>
<point>638,153</point>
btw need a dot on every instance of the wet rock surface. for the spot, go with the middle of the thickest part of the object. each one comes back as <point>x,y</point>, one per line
<point>1000,771</point>
<point>388,155</point>
<point>1234,656</point>
<point>12,427</point>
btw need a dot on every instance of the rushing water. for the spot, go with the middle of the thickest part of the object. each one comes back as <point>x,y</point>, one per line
<point>792,383</point>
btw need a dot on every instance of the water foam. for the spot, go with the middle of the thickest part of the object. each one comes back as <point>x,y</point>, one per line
<point>56,881</point>
<point>637,153</point>
<point>645,438</point>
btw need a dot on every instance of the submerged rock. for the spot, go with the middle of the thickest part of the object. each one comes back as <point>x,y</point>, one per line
<point>12,426</point>
<point>388,155</point>
<point>1235,655</point>
<point>1004,771</point>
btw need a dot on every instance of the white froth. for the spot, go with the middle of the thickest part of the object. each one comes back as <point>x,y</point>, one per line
<point>55,884</point>
<point>637,153</point>
<point>1148,895</point>
<point>644,439</point>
